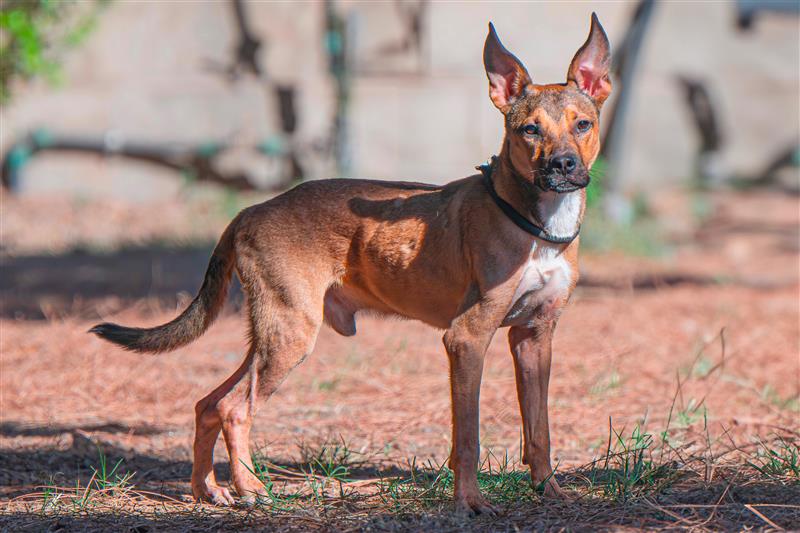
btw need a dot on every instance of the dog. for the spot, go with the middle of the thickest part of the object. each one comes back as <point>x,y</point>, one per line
<point>496,249</point>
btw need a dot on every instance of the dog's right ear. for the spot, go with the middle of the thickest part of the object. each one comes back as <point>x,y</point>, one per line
<point>508,79</point>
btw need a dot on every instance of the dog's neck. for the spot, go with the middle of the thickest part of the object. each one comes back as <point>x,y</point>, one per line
<point>560,214</point>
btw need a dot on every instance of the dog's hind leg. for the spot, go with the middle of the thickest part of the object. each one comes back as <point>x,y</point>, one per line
<point>285,312</point>
<point>275,353</point>
<point>284,321</point>
<point>276,348</point>
<point>208,424</point>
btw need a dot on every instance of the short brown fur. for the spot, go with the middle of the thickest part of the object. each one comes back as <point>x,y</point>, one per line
<point>447,256</point>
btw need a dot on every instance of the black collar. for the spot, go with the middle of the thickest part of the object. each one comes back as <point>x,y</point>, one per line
<point>514,215</point>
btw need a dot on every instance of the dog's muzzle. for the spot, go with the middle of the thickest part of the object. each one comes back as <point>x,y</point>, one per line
<point>564,173</point>
<point>564,184</point>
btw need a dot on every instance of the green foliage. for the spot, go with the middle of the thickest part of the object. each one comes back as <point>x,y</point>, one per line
<point>34,34</point>
<point>110,478</point>
<point>778,460</point>
<point>432,485</point>
<point>607,382</point>
<point>106,481</point>
<point>424,488</point>
<point>595,189</point>
<point>643,237</point>
<point>629,469</point>
<point>324,472</point>
<point>690,414</point>
<point>790,403</point>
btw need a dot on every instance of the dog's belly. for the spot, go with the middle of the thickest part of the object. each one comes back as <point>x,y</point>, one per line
<point>544,284</point>
<point>343,302</point>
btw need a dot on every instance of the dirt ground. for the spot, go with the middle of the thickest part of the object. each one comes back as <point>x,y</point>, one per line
<point>704,341</point>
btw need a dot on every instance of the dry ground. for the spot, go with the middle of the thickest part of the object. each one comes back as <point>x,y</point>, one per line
<point>703,344</point>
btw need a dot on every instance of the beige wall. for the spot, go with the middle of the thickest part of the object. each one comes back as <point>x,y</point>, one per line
<point>145,72</point>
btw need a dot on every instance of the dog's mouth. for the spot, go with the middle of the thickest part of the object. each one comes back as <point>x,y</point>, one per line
<point>559,183</point>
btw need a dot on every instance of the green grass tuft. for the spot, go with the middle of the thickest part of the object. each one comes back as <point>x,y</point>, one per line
<point>629,469</point>
<point>778,460</point>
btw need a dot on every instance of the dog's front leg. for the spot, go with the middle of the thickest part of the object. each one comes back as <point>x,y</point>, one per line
<point>531,348</point>
<point>466,342</point>
<point>466,366</point>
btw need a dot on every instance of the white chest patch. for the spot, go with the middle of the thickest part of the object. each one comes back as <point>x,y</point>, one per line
<point>560,213</point>
<point>547,275</point>
<point>545,278</point>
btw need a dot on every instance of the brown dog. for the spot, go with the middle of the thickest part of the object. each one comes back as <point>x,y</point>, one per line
<point>468,257</point>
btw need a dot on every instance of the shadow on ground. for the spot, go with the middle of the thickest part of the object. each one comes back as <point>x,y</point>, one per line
<point>731,502</point>
<point>24,468</point>
<point>31,287</point>
<point>716,508</point>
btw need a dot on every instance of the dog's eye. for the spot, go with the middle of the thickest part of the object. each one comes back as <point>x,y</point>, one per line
<point>531,129</point>
<point>584,125</point>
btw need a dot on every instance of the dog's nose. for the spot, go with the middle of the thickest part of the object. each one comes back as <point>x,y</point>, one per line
<point>563,163</point>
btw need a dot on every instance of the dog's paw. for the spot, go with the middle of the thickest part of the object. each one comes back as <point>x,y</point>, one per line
<point>254,497</point>
<point>476,504</point>
<point>553,490</point>
<point>214,494</point>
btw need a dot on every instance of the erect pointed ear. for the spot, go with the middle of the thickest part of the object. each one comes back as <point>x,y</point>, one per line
<point>507,77</point>
<point>590,67</point>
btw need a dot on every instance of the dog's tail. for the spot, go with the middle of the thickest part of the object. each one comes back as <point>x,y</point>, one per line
<point>195,320</point>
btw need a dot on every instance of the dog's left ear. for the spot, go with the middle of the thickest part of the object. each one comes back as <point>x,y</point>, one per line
<point>590,67</point>
<point>508,78</point>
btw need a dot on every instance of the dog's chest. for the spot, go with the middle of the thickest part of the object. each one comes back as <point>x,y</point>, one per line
<point>544,281</point>
<point>546,275</point>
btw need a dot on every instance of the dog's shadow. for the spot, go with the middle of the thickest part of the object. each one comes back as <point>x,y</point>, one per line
<point>26,470</point>
<point>72,453</point>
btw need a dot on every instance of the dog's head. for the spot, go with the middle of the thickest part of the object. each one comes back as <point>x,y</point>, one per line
<point>552,131</point>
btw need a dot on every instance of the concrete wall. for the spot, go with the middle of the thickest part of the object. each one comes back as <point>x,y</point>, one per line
<point>149,71</point>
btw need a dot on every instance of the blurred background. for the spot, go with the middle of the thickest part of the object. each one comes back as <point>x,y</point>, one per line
<point>380,89</point>
<point>132,132</point>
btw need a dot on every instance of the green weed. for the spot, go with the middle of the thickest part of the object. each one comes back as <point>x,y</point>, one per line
<point>770,395</point>
<point>606,383</point>
<point>628,468</point>
<point>779,460</point>
<point>110,479</point>
<point>689,414</point>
